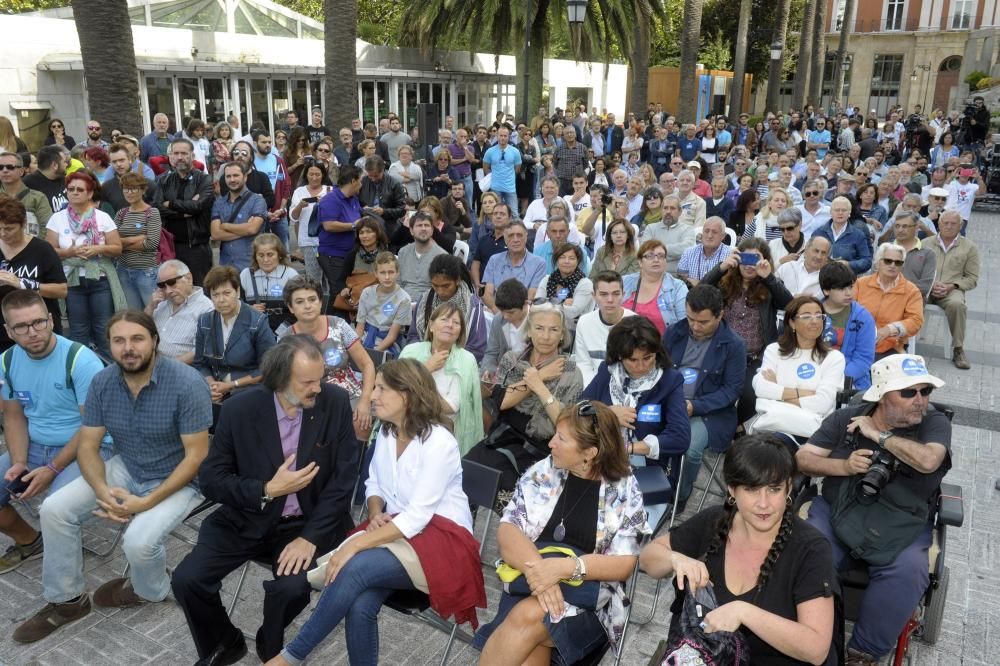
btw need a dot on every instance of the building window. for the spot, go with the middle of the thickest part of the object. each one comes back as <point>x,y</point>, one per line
<point>961,19</point>
<point>887,73</point>
<point>838,15</point>
<point>895,10</point>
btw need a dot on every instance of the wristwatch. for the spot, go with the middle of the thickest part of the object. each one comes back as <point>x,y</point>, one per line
<point>265,499</point>
<point>580,571</point>
<point>883,437</point>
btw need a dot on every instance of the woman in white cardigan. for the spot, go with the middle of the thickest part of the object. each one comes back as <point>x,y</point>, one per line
<point>799,377</point>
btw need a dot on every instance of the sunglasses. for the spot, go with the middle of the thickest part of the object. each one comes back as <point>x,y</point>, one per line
<point>323,150</point>
<point>8,167</point>
<point>94,128</point>
<point>893,262</point>
<point>911,393</point>
<point>77,189</point>
<point>55,125</point>
<point>789,228</point>
<point>810,194</point>
<point>586,408</point>
<point>169,283</point>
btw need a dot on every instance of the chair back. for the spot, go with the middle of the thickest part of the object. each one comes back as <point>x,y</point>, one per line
<point>480,483</point>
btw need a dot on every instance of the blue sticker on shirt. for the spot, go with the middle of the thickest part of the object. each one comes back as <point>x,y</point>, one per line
<point>138,225</point>
<point>690,375</point>
<point>648,414</point>
<point>24,397</point>
<point>333,357</point>
<point>913,367</point>
<point>276,291</point>
<point>806,371</point>
<point>662,303</point>
<point>562,293</point>
<point>388,308</point>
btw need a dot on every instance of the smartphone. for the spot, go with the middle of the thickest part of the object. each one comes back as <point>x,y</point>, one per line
<point>749,258</point>
<point>18,485</point>
<point>311,199</point>
<point>966,173</point>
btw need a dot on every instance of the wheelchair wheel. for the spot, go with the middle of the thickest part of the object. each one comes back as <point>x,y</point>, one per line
<point>935,610</point>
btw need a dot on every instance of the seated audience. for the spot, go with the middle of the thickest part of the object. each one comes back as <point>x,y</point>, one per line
<point>920,262</point>
<point>646,393</point>
<point>788,247</point>
<point>384,308</point>
<point>515,262</point>
<point>848,242</point>
<point>895,302</point>
<point>264,280</point>
<point>505,330</point>
<point>358,267</point>
<point>176,306</point>
<point>849,328</point>
<point>743,219</point>
<point>800,376</point>
<point>957,272</point>
<point>771,572</point>
<point>617,253</point>
<point>455,372</point>
<point>416,257</point>
<point>590,342</point>
<point>557,232</point>
<point>802,275</point>
<point>588,468</point>
<point>451,283</point>
<point>697,261</point>
<point>652,292</point>
<point>567,285</point>
<point>415,499</point>
<point>676,236</point>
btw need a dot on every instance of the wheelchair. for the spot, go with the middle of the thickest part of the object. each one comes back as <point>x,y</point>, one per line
<point>925,622</point>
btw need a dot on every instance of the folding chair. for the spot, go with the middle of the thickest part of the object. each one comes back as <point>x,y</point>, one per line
<point>480,484</point>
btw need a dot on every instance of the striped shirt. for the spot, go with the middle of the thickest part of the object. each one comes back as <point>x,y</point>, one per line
<point>146,223</point>
<point>177,329</point>
<point>147,429</point>
<point>694,263</point>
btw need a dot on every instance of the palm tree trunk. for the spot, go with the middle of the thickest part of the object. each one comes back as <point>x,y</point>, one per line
<point>818,54</point>
<point>740,60</point>
<point>339,36</point>
<point>774,73</point>
<point>530,99</point>
<point>687,104</point>
<point>805,55</point>
<point>639,61</point>
<point>845,31</point>
<point>109,69</point>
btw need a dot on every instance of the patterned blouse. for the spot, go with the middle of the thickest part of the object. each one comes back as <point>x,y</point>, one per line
<point>621,522</point>
<point>744,319</point>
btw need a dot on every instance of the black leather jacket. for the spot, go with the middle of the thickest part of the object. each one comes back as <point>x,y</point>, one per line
<point>391,198</point>
<point>189,216</point>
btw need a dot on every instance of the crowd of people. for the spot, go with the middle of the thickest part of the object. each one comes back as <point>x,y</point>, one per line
<point>564,300</point>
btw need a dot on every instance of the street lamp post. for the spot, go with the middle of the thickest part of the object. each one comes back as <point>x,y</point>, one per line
<point>576,14</point>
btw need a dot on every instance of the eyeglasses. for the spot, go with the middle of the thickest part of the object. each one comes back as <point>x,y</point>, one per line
<point>654,256</point>
<point>170,282</point>
<point>132,189</point>
<point>911,393</point>
<point>809,317</point>
<point>77,189</point>
<point>586,408</point>
<point>38,325</point>
<point>789,228</point>
<point>94,128</point>
<point>893,262</point>
<point>8,167</point>
<point>861,173</point>
<point>241,153</point>
<point>54,125</point>
<point>323,150</point>
<point>810,194</point>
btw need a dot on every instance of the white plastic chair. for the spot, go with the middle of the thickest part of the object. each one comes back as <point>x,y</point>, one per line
<point>461,250</point>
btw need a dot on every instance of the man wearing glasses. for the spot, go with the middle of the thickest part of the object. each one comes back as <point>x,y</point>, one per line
<point>957,271</point>
<point>175,307</point>
<point>35,203</point>
<point>896,422</point>
<point>41,416</point>
<point>94,139</point>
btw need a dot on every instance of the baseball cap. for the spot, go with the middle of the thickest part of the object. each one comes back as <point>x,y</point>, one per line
<point>896,372</point>
<point>938,192</point>
<point>694,165</point>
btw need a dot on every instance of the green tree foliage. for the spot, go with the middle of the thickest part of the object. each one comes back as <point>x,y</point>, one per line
<point>18,6</point>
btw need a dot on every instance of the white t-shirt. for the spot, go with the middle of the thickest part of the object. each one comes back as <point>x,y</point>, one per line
<point>961,197</point>
<point>59,223</point>
<point>305,240</point>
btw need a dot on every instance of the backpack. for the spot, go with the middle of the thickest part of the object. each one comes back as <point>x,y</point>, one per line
<point>74,352</point>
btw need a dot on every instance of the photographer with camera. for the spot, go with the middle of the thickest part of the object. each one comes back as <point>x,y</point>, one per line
<point>594,221</point>
<point>883,462</point>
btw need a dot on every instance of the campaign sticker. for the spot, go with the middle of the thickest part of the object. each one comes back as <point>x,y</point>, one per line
<point>830,336</point>
<point>275,291</point>
<point>138,225</point>
<point>690,375</point>
<point>648,414</point>
<point>662,303</point>
<point>24,397</point>
<point>333,357</point>
<point>388,309</point>
<point>562,294</point>
<point>806,371</point>
<point>913,367</point>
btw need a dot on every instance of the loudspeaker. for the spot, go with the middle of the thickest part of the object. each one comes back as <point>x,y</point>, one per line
<point>429,122</point>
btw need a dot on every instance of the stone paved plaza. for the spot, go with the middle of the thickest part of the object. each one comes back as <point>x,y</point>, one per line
<point>157,634</point>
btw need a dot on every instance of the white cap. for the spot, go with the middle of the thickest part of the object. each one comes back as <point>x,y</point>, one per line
<point>938,192</point>
<point>693,164</point>
<point>899,371</point>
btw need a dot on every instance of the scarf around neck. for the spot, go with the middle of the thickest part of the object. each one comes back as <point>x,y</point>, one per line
<point>462,299</point>
<point>625,390</point>
<point>85,225</point>
<point>558,281</point>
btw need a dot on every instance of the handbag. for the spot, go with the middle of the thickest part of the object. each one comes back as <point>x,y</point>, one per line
<point>314,224</point>
<point>356,282</point>
<point>689,644</point>
<point>579,593</point>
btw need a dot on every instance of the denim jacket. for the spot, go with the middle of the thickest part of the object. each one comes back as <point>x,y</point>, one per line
<point>250,338</point>
<point>671,300</point>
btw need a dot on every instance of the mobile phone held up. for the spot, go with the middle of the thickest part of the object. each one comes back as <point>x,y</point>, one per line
<point>749,258</point>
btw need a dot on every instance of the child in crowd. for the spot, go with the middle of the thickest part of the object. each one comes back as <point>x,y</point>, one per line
<point>383,308</point>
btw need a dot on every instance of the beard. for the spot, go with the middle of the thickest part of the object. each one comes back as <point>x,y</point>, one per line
<point>304,402</point>
<point>134,363</point>
<point>264,151</point>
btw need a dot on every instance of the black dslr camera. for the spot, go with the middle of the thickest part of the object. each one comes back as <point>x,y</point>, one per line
<point>883,468</point>
<point>606,199</point>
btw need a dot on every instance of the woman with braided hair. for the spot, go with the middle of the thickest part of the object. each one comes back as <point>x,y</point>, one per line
<point>771,573</point>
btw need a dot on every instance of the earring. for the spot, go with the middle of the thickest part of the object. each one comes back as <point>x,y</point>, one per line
<point>730,500</point>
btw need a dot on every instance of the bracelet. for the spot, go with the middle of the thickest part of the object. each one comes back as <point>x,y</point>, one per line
<point>55,469</point>
<point>236,383</point>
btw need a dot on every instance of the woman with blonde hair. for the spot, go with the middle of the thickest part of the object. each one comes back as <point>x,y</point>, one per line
<point>767,219</point>
<point>221,147</point>
<point>9,140</point>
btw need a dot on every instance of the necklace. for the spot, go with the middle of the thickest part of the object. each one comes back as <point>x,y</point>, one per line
<point>559,533</point>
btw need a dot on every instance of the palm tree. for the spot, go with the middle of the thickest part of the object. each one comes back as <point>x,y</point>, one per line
<point>845,31</point>
<point>340,32</point>
<point>499,27</point>
<point>639,66</point>
<point>774,74</point>
<point>690,42</point>
<point>818,54</point>
<point>805,55</point>
<point>108,56</point>
<point>740,60</point>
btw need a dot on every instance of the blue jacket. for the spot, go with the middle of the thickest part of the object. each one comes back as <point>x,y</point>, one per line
<point>852,246</point>
<point>148,146</point>
<point>721,380</point>
<point>858,347</point>
<point>672,429</point>
<point>250,338</point>
<point>673,294</point>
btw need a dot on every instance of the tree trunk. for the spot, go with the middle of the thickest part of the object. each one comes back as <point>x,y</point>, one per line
<point>774,72</point>
<point>818,54</point>
<point>805,55</point>
<point>529,100</point>
<point>687,103</point>
<point>339,37</point>
<point>740,60</point>
<point>639,61</point>
<point>109,70</point>
<point>845,31</point>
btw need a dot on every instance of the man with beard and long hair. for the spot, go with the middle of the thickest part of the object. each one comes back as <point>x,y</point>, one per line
<point>282,464</point>
<point>157,411</point>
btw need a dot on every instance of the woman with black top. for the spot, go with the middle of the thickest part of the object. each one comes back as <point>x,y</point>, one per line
<point>752,296</point>
<point>57,135</point>
<point>439,175</point>
<point>582,497</point>
<point>743,218</point>
<point>772,573</point>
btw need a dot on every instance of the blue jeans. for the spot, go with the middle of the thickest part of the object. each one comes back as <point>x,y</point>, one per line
<point>279,228</point>
<point>357,594</point>
<point>62,518</point>
<point>235,254</point>
<point>510,198</point>
<point>893,590</point>
<point>138,285</point>
<point>692,459</point>
<point>467,180</point>
<point>89,307</point>
<point>40,456</point>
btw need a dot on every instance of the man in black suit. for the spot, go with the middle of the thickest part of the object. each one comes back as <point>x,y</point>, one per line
<point>283,465</point>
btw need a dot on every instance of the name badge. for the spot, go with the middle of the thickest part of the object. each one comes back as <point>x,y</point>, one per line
<point>562,293</point>
<point>806,371</point>
<point>333,357</point>
<point>24,397</point>
<point>690,375</point>
<point>388,309</point>
<point>276,290</point>
<point>649,414</point>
